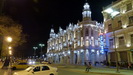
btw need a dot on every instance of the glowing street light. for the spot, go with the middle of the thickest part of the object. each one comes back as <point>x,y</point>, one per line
<point>35,50</point>
<point>10,52</point>
<point>113,13</point>
<point>41,45</point>
<point>9,47</point>
<point>9,39</point>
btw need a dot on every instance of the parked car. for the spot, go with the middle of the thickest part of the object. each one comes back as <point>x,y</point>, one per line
<point>21,65</point>
<point>41,69</point>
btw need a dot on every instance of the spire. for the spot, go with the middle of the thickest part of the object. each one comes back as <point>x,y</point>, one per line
<point>52,33</point>
<point>60,29</point>
<point>86,11</point>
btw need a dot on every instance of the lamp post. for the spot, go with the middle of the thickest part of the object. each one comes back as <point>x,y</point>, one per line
<point>9,40</point>
<point>10,51</point>
<point>113,13</point>
<point>41,45</point>
<point>35,51</point>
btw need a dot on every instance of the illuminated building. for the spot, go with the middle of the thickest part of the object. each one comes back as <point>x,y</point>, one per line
<point>78,43</point>
<point>119,28</point>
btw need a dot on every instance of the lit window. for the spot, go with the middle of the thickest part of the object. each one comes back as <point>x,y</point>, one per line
<point>111,43</point>
<point>87,43</point>
<point>75,34</point>
<point>78,43</point>
<point>63,38</point>
<point>131,20</point>
<point>75,45</point>
<point>121,41</point>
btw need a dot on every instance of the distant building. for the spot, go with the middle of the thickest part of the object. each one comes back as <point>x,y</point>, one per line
<point>80,42</point>
<point>120,27</point>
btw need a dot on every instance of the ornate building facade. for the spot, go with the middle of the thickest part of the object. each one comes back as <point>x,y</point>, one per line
<point>119,31</point>
<point>79,43</point>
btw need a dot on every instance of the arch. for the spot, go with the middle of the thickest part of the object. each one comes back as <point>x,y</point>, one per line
<point>86,32</point>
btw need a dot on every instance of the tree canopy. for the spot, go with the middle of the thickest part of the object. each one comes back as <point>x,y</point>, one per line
<point>8,27</point>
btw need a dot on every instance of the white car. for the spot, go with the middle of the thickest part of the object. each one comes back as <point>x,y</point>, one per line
<point>41,69</point>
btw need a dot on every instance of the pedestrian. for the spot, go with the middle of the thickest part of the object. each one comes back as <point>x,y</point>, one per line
<point>129,65</point>
<point>87,64</point>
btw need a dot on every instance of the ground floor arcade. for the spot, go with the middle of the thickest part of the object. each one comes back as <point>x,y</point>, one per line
<point>79,56</point>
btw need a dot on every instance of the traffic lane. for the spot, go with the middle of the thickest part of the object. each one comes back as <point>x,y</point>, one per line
<point>68,71</point>
<point>2,71</point>
<point>17,70</point>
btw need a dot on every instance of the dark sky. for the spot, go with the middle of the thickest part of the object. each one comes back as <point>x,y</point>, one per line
<point>38,16</point>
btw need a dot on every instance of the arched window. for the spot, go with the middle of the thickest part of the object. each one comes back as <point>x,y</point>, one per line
<point>91,32</point>
<point>86,32</point>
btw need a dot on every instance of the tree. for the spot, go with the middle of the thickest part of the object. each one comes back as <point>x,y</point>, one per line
<point>8,27</point>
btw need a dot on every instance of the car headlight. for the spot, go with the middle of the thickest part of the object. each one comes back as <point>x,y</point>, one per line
<point>33,62</point>
<point>30,62</point>
<point>15,73</point>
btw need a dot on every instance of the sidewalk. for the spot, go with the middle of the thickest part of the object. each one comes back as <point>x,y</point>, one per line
<point>1,64</point>
<point>98,70</point>
<point>5,71</point>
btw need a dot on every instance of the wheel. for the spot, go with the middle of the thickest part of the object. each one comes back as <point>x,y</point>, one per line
<point>51,74</point>
<point>14,68</point>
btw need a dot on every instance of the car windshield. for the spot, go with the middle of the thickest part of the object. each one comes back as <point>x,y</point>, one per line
<point>29,68</point>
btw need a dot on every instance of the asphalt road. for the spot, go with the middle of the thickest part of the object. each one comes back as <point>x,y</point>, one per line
<point>75,71</point>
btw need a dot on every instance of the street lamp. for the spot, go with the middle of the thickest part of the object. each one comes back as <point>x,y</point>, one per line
<point>10,51</point>
<point>9,39</point>
<point>113,13</point>
<point>35,50</point>
<point>41,45</point>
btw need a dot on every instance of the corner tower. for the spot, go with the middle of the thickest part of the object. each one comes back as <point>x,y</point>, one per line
<point>52,34</point>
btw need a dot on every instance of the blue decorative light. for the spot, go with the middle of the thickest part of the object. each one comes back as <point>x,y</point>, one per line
<point>102,44</point>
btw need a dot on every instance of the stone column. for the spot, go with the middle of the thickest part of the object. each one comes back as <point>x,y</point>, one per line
<point>71,57</point>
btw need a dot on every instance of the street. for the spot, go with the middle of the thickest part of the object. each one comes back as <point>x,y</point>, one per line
<point>78,70</point>
<point>71,70</point>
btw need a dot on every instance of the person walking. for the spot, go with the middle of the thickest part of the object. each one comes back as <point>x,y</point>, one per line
<point>88,66</point>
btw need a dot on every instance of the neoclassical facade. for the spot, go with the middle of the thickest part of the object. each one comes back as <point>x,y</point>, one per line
<point>80,42</point>
<point>119,31</point>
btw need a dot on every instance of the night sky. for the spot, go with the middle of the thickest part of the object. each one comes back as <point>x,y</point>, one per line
<point>38,16</point>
